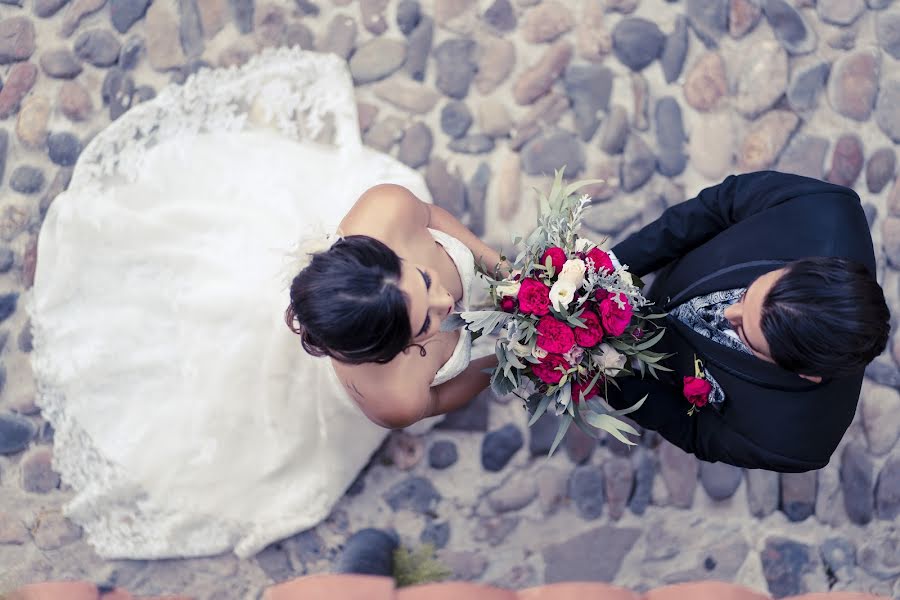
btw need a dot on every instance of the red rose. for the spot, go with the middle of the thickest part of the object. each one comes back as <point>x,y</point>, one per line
<point>600,294</point>
<point>594,332</point>
<point>548,370</point>
<point>615,319</point>
<point>507,304</point>
<point>557,257</point>
<point>534,297</point>
<point>602,260</point>
<point>554,336</point>
<point>579,387</point>
<point>697,390</point>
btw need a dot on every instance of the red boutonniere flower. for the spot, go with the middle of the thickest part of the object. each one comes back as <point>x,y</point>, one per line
<point>697,389</point>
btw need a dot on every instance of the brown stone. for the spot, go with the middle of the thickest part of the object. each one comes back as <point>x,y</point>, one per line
<point>238,52</point>
<point>271,22</point>
<point>846,161</point>
<point>163,44</point>
<point>743,16</point>
<point>405,450</point>
<point>679,472</point>
<point>78,10</point>
<point>495,60</point>
<point>608,170</point>
<point>32,122</point>
<point>38,476</point>
<point>762,78</point>
<point>16,40</point>
<point>893,204</point>
<point>373,17</point>
<point>52,531</point>
<point>890,239</point>
<point>880,169</point>
<point>546,22</point>
<point>853,84</point>
<point>640,94</point>
<point>214,15</point>
<point>411,96</point>
<point>537,80</point>
<point>446,11</point>
<point>366,114</point>
<point>592,39</point>
<point>19,82</point>
<point>765,140</point>
<point>75,101</point>
<point>706,82</point>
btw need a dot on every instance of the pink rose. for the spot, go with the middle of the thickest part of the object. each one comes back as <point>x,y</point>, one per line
<point>594,332</point>
<point>557,256</point>
<point>507,304</point>
<point>534,297</point>
<point>554,336</point>
<point>615,320</point>
<point>602,260</point>
<point>551,369</point>
<point>600,294</point>
<point>697,390</point>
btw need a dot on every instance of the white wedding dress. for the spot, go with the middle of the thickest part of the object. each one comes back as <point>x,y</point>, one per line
<point>189,421</point>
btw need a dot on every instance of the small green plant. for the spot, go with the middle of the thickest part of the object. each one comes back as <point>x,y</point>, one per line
<point>418,566</point>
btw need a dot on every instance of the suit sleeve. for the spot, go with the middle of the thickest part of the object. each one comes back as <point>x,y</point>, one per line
<point>704,434</point>
<point>688,225</point>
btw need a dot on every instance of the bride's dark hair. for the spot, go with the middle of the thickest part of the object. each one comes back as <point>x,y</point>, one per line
<point>347,303</point>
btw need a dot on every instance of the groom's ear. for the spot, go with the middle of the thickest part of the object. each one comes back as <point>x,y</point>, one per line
<point>813,378</point>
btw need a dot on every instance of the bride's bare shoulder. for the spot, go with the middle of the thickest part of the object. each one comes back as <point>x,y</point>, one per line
<point>393,395</point>
<point>384,211</point>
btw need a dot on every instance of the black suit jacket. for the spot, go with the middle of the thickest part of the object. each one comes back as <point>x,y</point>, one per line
<point>724,238</point>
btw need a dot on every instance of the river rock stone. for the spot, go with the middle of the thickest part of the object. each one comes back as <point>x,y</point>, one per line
<point>496,58</point>
<point>804,155</point>
<point>546,22</point>
<point>880,169</point>
<point>588,88</point>
<point>846,161</point>
<point>743,17</point>
<point>762,78</point>
<point>790,27</point>
<point>537,80</point>
<point>19,81</point>
<point>706,82</point>
<point>853,84</point>
<point>17,39</point>
<point>887,109</point>
<point>637,42</point>
<point>765,139</point>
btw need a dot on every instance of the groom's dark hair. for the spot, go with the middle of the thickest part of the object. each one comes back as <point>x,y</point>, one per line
<point>825,317</point>
<point>347,304</point>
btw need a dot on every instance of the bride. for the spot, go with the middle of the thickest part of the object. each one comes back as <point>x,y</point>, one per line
<point>189,419</point>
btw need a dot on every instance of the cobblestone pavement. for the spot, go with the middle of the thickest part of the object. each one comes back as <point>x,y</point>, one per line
<point>485,97</point>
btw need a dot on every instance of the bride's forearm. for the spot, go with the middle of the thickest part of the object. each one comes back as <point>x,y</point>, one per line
<point>443,220</point>
<point>457,392</point>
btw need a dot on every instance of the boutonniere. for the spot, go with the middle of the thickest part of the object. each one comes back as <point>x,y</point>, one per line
<point>697,389</point>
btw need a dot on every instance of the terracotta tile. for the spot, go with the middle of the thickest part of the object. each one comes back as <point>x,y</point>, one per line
<point>454,590</point>
<point>707,590</point>
<point>56,590</point>
<point>578,590</point>
<point>333,587</point>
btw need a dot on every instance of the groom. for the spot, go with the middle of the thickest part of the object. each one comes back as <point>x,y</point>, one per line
<point>769,281</point>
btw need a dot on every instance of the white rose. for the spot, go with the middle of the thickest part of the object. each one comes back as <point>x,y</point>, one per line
<point>519,349</point>
<point>573,272</point>
<point>562,293</point>
<point>509,288</point>
<point>583,245</point>
<point>609,359</point>
<point>538,353</point>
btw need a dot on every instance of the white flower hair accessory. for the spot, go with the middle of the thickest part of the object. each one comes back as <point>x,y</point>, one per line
<point>300,256</point>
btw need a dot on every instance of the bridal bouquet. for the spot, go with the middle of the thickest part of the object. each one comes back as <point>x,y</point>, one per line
<point>569,323</point>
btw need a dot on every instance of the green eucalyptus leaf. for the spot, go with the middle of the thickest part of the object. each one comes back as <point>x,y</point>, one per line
<point>540,410</point>
<point>564,423</point>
